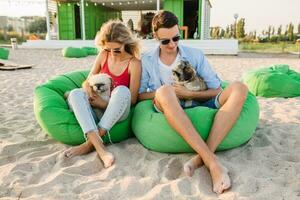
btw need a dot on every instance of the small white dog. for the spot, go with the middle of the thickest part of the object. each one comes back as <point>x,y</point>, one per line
<point>102,85</point>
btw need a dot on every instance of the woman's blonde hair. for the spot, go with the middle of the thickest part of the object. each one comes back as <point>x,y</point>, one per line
<point>116,31</point>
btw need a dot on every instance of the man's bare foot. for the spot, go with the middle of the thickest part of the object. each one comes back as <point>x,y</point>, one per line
<point>79,150</point>
<point>220,178</point>
<point>191,165</point>
<point>108,159</point>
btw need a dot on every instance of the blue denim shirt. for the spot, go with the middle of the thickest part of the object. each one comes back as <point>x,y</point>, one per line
<point>151,81</point>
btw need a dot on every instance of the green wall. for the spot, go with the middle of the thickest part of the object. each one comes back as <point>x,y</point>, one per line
<point>66,22</point>
<point>95,16</point>
<point>175,6</point>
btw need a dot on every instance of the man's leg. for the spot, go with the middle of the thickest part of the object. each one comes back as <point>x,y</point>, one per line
<point>231,100</point>
<point>167,102</point>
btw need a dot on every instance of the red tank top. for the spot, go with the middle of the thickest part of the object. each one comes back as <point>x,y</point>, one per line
<point>122,79</point>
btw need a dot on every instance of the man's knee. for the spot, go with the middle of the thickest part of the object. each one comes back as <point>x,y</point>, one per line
<point>164,93</point>
<point>240,89</point>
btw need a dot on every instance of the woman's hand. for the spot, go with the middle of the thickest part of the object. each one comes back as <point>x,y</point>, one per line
<point>182,92</point>
<point>97,102</point>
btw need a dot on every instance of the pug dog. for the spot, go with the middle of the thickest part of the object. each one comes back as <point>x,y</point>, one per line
<point>185,74</point>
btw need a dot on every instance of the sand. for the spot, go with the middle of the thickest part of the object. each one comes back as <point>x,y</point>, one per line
<point>32,165</point>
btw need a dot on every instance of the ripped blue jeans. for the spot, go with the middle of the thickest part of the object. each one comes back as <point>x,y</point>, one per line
<point>117,110</point>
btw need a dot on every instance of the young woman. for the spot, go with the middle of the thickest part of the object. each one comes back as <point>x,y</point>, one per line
<point>118,59</point>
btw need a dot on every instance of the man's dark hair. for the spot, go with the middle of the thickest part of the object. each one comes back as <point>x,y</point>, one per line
<point>164,19</point>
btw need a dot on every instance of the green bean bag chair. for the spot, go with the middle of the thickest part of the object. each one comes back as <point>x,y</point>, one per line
<point>72,52</point>
<point>4,53</point>
<point>52,112</point>
<point>153,131</point>
<point>90,50</point>
<point>273,81</point>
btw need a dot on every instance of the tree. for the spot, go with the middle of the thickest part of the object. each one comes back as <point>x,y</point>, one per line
<point>279,30</point>
<point>273,30</point>
<point>240,30</point>
<point>38,26</point>
<point>290,32</point>
<point>10,28</point>
<point>299,28</point>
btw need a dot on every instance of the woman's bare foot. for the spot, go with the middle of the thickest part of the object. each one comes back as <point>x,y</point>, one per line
<point>191,165</point>
<point>220,178</point>
<point>108,159</point>
<point>79,150</point>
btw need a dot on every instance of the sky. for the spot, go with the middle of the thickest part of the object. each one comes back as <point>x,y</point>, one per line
<point>258,14</point>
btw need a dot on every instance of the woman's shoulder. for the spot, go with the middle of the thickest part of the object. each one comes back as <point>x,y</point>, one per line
<point>134,64</point>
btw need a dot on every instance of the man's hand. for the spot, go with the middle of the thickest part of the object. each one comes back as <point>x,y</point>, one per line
<point>182,92</point>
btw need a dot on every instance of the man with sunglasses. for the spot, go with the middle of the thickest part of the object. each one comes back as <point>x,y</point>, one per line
<point>157,84</point>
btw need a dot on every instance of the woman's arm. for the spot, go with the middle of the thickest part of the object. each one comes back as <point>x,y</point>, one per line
<point>95,70</point>
<point>135,71</point>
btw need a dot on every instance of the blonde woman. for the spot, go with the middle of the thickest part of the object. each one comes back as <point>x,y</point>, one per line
<point>119,59</point>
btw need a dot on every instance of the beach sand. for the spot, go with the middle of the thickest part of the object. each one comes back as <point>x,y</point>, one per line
<point>32,165</point>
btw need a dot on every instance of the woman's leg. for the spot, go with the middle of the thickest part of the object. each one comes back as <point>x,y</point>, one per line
<point>231,100</point>
<point>166,101</point>
<point>117,110</point>
<point>79,104</point>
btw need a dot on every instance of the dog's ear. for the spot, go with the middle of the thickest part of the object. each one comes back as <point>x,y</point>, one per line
<point>185,63</point>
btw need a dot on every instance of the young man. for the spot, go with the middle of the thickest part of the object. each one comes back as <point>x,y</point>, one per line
<point>157,84</point>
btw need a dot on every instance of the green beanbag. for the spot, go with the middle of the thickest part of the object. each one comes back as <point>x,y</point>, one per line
<point>72,52</point>
<point>53,114</point>
<point>90,50</point>
<point>273,81</point>
<point>4,53</point>
<point>153,131</point>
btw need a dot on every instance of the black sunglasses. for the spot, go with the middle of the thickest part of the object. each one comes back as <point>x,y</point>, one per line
<point>114,50</point>
<point>167,41</point>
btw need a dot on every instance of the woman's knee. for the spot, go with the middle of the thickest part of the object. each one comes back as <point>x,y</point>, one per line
<point>76,93</point>
<point>121,92</point>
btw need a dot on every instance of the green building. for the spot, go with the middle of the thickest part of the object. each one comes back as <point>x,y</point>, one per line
<point>81,19</point>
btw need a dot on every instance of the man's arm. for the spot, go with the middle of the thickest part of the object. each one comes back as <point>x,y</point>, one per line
<point>204,95</point>
<point>183,93</point>
<point>146,95</point>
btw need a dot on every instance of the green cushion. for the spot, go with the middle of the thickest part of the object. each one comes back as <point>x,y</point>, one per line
<point>90,50</point>
<point>72,52</point>
<point>273,81</point>
<point>55,118</point>
<point>4,53</point>
<point>153,131</point>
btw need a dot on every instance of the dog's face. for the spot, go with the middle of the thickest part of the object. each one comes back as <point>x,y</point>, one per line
<point>183,72</point>
<point>100,83</point>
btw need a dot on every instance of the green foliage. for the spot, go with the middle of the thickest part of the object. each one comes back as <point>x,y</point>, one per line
<point>279,30</point>
<point>38,26</point>
<point>279,47</point>
<point>290,32</point>
<point>240,28</point>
